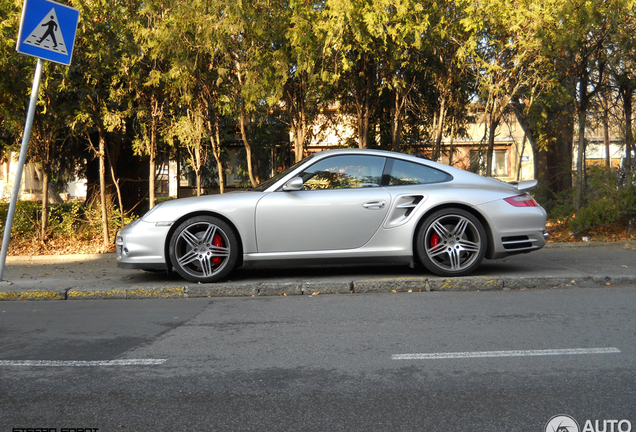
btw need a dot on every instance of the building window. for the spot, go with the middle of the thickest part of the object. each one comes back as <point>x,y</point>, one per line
<point>477,164</point>
<point>500,163</point>
<point>500,166</point>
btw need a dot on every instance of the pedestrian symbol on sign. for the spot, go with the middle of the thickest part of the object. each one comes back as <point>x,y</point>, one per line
<point>47,35</point>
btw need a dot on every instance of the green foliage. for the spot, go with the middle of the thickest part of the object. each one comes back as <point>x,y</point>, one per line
<point>607,201</point>
<point>26,218</point>
<point>68,221</point>
<point>560,207</point>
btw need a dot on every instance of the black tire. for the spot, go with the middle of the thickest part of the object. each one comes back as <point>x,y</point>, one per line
<point>451,242</point>
<point>204,249</point>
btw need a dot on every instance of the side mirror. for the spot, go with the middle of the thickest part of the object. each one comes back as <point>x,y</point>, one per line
<point>294,184</point>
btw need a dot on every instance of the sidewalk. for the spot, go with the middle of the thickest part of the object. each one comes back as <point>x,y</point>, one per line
<point>76,277</point>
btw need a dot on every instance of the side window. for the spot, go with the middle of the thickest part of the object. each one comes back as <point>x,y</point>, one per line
<point>344,172</point>
<point>409,173</point>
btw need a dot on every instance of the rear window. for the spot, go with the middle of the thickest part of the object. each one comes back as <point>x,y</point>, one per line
<point>410,173</point>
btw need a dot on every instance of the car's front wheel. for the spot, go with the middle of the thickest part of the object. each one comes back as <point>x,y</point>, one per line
<point>451,242</point>
<point>204,249</point>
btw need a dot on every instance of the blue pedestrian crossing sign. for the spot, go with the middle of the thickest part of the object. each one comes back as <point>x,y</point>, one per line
<point>47,30</point>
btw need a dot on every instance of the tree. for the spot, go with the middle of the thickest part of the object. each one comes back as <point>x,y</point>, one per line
<point>297,76</point>
<point>51,143</point>
<point>147,81</point>
<point>506,56</point>
<point>622,68</point>
<point>442,74</point>
<point>245,39</point>
<point>189,132</point>
<point>15,72</point>
<point>95,67</point>
<point>366,43</point>
<point>576,38</point>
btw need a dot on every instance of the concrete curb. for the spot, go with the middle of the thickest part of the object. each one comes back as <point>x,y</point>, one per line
<point>385,285</point>
<point>95,276</point>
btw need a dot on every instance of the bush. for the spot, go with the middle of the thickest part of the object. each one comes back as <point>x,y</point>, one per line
<point>68,224</point>
<point>26,221</point>
<point>607,201</point>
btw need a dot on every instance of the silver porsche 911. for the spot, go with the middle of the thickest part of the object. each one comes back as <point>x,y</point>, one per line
<point>341,206</point>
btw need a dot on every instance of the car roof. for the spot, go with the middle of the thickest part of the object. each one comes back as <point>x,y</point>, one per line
<point>458,174</point>
<point>386,153</point>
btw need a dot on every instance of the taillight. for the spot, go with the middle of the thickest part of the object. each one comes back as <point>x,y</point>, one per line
<point>524,200</point>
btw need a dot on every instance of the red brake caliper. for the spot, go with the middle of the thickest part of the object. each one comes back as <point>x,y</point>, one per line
<point>434,240</point>
<point>218,242</point>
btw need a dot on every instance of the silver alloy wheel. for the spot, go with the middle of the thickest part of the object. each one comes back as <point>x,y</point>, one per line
<point>451,242</point>
<point>203,249</point>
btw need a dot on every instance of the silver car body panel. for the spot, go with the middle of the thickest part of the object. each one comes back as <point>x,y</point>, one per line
<point>317,220</point>
<point>305,225</point>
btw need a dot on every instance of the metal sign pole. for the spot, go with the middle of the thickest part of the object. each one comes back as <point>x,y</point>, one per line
<point>18,174</point>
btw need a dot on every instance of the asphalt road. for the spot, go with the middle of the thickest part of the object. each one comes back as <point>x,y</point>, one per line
<point>420,361</point>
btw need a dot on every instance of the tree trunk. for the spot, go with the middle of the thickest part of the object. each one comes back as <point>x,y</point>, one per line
<point>299,131</point>
<point>396,121</point>
<point>540,153</point>
<point>152,150</point>
<point>363,90</point>
<point>216,151</point>
<point>580,163</point>
<point>451,145</point>
<point>151,176</point>
<point>116,183</point>
<point>248,150</point>
<point>363,126</point>
<point>102,185</point>
<point>439,133</point>
<point>198,174</point>
<point>523,149</point>
<point>606,137</point>
<point>626,92</point>
<point>492,126</point>
<point>45,203</point>
<point>559,143</point>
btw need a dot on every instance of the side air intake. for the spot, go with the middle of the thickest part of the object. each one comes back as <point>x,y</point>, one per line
<point>403,208</point>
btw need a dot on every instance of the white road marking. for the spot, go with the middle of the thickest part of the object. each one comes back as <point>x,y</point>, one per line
<point>79,363</point>
<point>489,354</point>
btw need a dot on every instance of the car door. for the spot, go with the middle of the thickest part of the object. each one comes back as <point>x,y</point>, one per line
<point>340,207</point>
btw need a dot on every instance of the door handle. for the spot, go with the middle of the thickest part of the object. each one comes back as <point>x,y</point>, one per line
<point>374,205</point>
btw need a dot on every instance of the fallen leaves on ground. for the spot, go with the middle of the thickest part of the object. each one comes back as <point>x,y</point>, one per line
<point>33,247</point>
<point>560,233</point>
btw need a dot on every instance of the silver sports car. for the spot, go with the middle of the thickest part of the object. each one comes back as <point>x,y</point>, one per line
<point>341,206</point>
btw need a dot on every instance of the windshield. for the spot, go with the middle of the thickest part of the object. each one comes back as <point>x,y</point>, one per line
<point>268,183</point>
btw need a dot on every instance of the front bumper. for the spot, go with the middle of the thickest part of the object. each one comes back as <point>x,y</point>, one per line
<point>141,245</point>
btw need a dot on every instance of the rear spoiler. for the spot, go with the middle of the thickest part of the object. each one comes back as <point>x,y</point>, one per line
<point>524,185</point>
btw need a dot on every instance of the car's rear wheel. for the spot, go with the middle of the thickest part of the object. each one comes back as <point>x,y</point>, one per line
<point>451,242</point>
<point>204,249</point>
